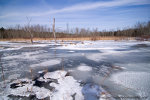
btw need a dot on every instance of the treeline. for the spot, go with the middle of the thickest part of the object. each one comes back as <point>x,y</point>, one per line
<point>39,31</point>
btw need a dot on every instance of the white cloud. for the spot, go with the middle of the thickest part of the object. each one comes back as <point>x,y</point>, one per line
<point>88,6</point>
<point>83,6</point>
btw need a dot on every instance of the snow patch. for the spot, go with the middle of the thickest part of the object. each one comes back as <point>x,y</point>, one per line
<point>67,89</point>
<point>19,45</point>
<point>64,87</point>
<point>14,76</point>
<point>47,63</point>
<point>24,87</point>
<point>94,45</point>
<point>84,67</point>
<point>71,51</point>
<point>29,89</point>
<point>55,75</point>
<point>95,57</point>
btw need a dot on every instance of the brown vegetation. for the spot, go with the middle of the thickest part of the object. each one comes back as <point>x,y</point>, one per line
<point>73,39</point>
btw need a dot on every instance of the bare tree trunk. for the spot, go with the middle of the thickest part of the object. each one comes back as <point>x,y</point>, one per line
<point>54,29</point>
<point>29,29</point>
<point>67,28</point>
<point>31,36</point>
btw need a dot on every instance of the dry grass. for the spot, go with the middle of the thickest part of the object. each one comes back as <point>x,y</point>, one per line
<point>78,38</point>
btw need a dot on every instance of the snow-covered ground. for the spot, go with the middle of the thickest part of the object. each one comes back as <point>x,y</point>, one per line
<point>62,87</point>
<point>102,45</point>
<point>122,68</point>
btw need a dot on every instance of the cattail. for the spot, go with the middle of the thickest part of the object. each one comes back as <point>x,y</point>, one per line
<point>46,70</point>
<point>31,71</point>
<point>27,89</point>
<point>31,89</point>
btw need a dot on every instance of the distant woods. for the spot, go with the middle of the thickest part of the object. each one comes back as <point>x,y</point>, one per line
<point>39,31</point>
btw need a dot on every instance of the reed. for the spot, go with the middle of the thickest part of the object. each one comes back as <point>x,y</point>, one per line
<point>31,72</point>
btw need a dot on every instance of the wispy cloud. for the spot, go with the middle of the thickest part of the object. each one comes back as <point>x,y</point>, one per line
<point>82,7</point>
<point>89,6</point>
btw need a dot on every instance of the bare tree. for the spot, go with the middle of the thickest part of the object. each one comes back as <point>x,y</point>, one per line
<point>67,25</point>
<point>54,29</point>
<point>28,28</point>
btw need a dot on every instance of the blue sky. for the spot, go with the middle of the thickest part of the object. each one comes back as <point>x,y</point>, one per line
<point>101,14</point>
